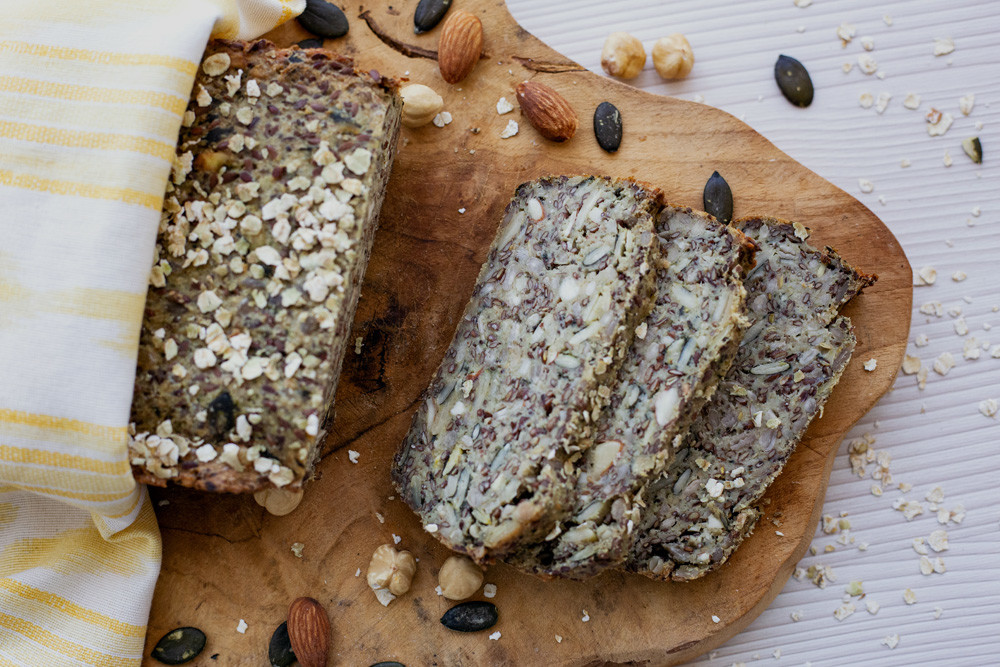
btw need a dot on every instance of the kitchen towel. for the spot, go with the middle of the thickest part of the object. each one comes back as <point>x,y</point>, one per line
<point>91,99</point>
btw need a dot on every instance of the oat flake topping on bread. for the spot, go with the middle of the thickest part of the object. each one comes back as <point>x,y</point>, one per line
<point>268,221</point>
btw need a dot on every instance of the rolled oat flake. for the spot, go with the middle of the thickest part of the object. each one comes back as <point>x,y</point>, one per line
<point>428,14</point>
<point>179,646</point>
<point>794,81</point>
<point>470,616</point>
<point>608,126</point>
<point>324,19</point>
<point>279,649</point>
<point>718,199</point>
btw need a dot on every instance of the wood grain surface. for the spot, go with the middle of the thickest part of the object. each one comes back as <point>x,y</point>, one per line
<point>225,559</point>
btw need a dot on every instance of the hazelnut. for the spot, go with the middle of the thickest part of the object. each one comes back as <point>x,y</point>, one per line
<point>673,57</point>
<point>623,55</point>
<point>420,104</point>
<point>278,502</point>
<point>391,569</point>
<point>459,578</point>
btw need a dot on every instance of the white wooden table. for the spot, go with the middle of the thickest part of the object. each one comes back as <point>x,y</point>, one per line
<point>947,218</point>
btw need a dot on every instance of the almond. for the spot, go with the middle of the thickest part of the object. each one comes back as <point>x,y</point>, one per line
<point>547,111</point>
<point>460,46</point>
<point>309,632</point>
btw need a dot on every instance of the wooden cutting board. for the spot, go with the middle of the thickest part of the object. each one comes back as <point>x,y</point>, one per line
<point>225,559</point>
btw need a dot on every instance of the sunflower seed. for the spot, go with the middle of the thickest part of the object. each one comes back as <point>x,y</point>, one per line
<point>428,14</point>
<point>974,149</point>
<point>608,126</point>
<point>794,81</point>
<point>470,616</point>
<point>279,650</point>
<point>323,19</point>
<point>718,199</point>
<point>179,646</point>
<point>311,43</point>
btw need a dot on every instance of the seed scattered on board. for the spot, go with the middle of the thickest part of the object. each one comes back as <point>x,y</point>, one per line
<point>279,649</point>
<point>428,14</point>
<point>179,646</point>
<point>323,19</point>
<point>793,81</point>
<point>470,616</point>
<point>718,199</point>
<point>608,126</point>
<point>974,149</point>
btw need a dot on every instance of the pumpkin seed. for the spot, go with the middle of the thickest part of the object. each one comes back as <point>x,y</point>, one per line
<point>311,43</point>
<point>470,616</point>
<point>323,19</point>
<point>974,149</point>
<point>794,81</point>
<point>608,126</point>
<point>428,14</point>
<point>179,646</point>
<point>279,650</point>
<point>718,199</point>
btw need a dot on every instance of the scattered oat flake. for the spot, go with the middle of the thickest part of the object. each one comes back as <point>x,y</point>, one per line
<point>911,101</point>
<point>943,46</point>
<point>910,508</point>
<point>776,653</point>
<point>871,364</point>
<point>867,63</point>
<point>961,328</point>
<point>911,364</point>
<point>944,363</point>
<point>920,546</point>
<point>989,407</point>
<point>909,597</point>
<point>510,130</point>
<point>855,588</point>
<point>925,276</point>
<point>357,572</point>
<point>242,627</point>
<point>442,119</point>
<point>796,615</point>
<point>959,276</point>
<point>353,455</point>
<point>865,185</point>
<point>904,163</point>
<point>891,641</point>
<point>935,495</point>
<point>947,159</point>
<point>847,67</point>
<point>297,548</point>
<point>396,538</point>
<point>866,100</point>
<point>938,123</point>
<point>461,210</point>
<point>872,606</point>
<point>495,636</point>
<point>490,590</point>
<point>966,103</point>
<point>504,106</point>
<point>802,3</point>
<point>887,19</point>
<point>937,612</point>
<point>715,619</point>
<point>882,103</point>
<point>867,43</point>
<point>558,639</point>
<point>846,33</point>
<point>844,610</point>
<point>976,211</point>
<point>586,616</point>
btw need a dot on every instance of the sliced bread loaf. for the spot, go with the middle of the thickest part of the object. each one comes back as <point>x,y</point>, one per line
<point>788,363</point>
<point>493,452</point>
<point>681,351</point>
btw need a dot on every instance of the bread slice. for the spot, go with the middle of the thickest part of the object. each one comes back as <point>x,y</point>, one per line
<point>281,169</point>
<point>788,363</point>
<point>681,351</point>
<point>492,455</point>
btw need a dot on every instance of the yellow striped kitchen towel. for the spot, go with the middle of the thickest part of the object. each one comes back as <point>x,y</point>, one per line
<point>91,98</point>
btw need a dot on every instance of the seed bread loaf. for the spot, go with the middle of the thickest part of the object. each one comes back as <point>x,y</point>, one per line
<point>680,352</point>
<point>788,363</point>
<point>268,222</point>
<point>492,455</point>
